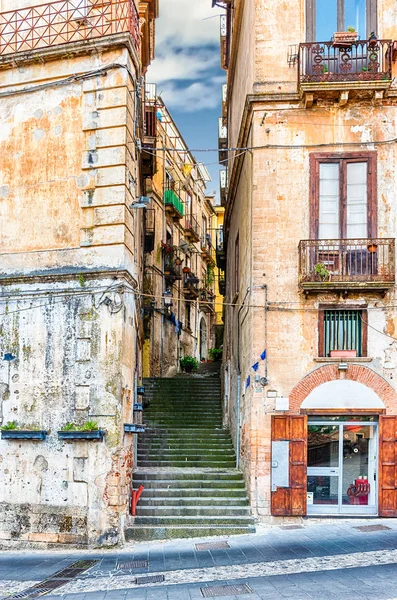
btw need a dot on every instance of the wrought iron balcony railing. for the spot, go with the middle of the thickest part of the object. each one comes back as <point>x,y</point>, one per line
<point>192,228</point>
<point>347,264</point>
<point>172,263</point>
<point>190,285</point>
<point>361,61</point>
<point>207,300</point>
<point>65,21</point>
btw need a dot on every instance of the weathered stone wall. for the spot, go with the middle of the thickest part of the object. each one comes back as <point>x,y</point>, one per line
<point>70,254</point>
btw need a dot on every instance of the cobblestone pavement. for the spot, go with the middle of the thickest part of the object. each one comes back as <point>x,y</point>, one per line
<point>321,560</point>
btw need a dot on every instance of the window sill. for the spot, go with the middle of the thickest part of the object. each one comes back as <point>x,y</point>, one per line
<point>337,359</point>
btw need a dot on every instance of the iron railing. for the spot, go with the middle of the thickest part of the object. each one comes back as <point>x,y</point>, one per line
<point>192,227</point>
<point>65,21</point>
<point>357,61</point>
<point>347,263</point>
<point>190,285</point>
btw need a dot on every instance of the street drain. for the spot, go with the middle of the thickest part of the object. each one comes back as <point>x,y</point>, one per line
<point>226,590</point>
<point>54,582</point>
<point>150,579</point>
<point>366,528</point>
<point>133,564</point>
<point>212,546</point>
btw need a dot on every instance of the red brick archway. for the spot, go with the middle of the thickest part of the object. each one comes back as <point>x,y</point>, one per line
<point>354,372</point>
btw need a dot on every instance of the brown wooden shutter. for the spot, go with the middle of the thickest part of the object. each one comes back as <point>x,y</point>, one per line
<point>387,466</point>
<point>291,500</point>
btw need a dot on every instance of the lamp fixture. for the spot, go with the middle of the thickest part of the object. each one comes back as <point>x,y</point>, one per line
<point>142,202</point>
<point>167,297</point>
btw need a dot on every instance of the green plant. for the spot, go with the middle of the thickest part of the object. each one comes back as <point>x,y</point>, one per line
<point>325,69</point>
<point>81,279</point>
<point>351,29</point>
<point>210,276</point>
<point>321,271</point>
<point>364,69</point>
<point>9,426</point>
<point>89,426</point>
<point>189,363</point>
<point>215,353</point>
<point>68,427</point>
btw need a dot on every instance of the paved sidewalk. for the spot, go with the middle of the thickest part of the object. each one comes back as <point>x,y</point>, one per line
<point>327,559</point>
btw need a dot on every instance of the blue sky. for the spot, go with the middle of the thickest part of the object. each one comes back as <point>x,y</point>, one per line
<point>188,75</point>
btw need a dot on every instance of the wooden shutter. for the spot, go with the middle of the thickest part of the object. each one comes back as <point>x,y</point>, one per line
<point>387,466</point>
<point>291,500</point>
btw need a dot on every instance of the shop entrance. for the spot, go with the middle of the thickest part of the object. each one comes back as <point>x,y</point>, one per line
<point>342,465</point>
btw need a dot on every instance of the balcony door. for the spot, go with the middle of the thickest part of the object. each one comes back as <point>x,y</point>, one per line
<point>324,17</point>
<point>343,196</point>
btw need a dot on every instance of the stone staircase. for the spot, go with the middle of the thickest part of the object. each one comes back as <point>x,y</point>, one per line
<point>186,462</point>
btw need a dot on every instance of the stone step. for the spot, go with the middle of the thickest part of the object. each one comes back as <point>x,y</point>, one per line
<point>191,511</point>
<point>190,474</point>
<point>183,484</point>
<point>187,453</point>
<point>194,501</point>
<point>220,520</point>
<point>199,462</point>
<point>154,443</point>
<point>143,532</point>
<point>201,434</point>
<point>185,494</point>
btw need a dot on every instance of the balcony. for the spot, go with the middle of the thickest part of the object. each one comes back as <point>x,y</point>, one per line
<point>207,250</point>
<point>190,286</point>
<point>192,229</point>
<point>329,68</point>
<point>173,203</point>
<point>222,141</point>
<point>172,263</point>
<point>65,21</point>
<point>220,250</point>
<point>150,229</point>
<point>223,186</point>
<point>207,300</point>
<point>363,264</point>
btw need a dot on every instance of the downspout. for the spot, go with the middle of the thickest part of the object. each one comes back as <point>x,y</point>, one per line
<point>239,381</point>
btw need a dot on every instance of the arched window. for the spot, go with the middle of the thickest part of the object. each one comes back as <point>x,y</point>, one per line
<point>324,17</point>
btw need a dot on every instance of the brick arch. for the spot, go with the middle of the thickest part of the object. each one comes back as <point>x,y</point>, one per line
<point>354,372</point>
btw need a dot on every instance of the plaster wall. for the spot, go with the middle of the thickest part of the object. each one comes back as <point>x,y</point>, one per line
<point>70,252</point>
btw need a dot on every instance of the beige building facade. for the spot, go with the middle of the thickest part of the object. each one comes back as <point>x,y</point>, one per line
<point>179,247</point>
<point>310,321</point>
<point>71,265</point>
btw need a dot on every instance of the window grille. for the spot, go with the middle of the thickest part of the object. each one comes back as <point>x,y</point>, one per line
<point>343,331</point>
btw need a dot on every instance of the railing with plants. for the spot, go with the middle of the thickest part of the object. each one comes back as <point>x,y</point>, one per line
<point>366,60</point>
<point>347,261</point>
<point>172,261</point>
<point>65,21</point>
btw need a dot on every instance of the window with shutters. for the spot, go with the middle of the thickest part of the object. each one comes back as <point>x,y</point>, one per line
<point>343,202</point>
<point>342,330</point>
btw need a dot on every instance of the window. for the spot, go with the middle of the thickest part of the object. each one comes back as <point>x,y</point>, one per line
<point>343,196</point>
<point>341,330</point>
<point>188,315</point>
<point>236,266</point>
<point>324,17</point>
<point>188,210</point>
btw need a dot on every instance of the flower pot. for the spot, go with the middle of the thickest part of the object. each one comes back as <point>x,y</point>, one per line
<point>19,434</point>
<point>344,38</point>
<point>97,434</point>
<point>134,428</point>
<point>186,269</point>
<point>372,248</point>
<point>343,353</point>
<point>187,369</point>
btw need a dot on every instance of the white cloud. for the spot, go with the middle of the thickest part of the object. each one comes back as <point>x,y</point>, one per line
<point>183,65</point>
<point>182,23</point>
<point>197,96</point>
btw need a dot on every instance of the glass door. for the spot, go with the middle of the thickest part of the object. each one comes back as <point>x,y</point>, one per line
<point>342,467</point>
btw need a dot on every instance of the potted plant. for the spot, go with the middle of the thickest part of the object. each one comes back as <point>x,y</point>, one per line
<point>88,431</point>
<point>11,431</point>
<point>189,364</point>
<point>215,354</point>
<point>372,247</point>
<point>321,271</point>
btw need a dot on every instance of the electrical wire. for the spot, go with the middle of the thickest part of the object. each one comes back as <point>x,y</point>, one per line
<point>280,146</point>
<point>378,330</point>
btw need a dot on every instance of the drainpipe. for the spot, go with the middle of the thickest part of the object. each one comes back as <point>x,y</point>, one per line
<point>239,381</point>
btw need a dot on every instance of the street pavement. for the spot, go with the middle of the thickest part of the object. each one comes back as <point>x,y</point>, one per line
<point>318,559</point>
